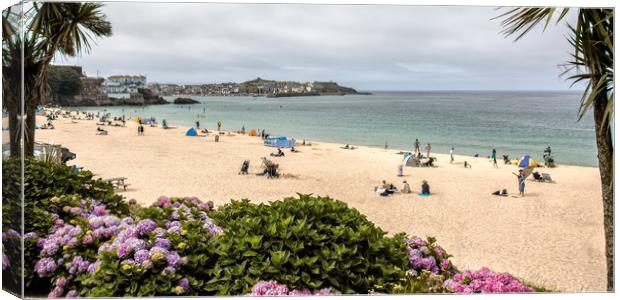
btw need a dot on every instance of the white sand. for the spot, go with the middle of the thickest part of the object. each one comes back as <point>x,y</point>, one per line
<point>552,237</point>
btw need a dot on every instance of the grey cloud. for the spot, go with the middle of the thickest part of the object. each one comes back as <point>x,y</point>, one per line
<point>368,47</point>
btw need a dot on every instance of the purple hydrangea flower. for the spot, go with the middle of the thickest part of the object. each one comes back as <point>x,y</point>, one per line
<point>162,243</point>
<point>173,259</point>
<point>269,288</point>
<point>55,293</point>
<point>99,210</point>
<point>5,261</point>
<point>184,283</point>
<point>31,235</point>
<point>146,226</point>
<point>45,266</point>
<point>72,294</point>
<point>141,256</point>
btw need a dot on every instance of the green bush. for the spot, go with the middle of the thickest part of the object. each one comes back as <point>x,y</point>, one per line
<point>304,243</point>
<point>42,182</point>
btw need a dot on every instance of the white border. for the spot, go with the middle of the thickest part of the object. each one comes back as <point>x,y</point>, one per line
<point>561,3</point>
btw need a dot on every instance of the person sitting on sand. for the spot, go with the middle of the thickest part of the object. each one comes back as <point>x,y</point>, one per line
<point>294,150</point>
<point>278,154</point>
<point>466,165</point>
<point>406,188</point>
<point>99,129</point>
<point>385,189</point>
<point>426,189</point>
<point>503,193</point>
<point>346,146</point>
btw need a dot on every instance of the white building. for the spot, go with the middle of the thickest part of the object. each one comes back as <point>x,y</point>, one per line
<point>123,84</point>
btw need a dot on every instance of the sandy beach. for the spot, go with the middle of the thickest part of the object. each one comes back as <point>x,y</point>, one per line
<point>552,237</point>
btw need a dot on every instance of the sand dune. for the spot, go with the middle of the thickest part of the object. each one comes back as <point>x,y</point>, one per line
<point>552,237</point>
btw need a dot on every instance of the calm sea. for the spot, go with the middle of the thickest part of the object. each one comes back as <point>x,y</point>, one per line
<point>515,123</point>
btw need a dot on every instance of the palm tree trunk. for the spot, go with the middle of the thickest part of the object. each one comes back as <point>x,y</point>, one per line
<point>605,159</point>
<point>30,112</point>
<point>13,108</point>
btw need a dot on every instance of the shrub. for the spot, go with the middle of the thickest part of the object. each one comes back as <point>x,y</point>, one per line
<point>43,181</point>
<point>159,254</point>
<point>485,281</point>
<point>272,288</point>
<point>427,255</point>
<point>304,243</point>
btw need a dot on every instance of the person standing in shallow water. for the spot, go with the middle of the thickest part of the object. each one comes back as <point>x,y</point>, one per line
<point>494,157</point>
<point>416,146</point>
<point>452,155</point>
<point>219,125</point>
<point>428,150</point>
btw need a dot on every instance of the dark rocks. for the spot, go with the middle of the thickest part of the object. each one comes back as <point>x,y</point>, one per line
<point>185,101</point>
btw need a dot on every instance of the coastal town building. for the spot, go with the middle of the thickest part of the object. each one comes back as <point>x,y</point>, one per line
<point>123,86</point>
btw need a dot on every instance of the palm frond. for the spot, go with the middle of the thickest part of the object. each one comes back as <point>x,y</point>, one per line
<point>522,20</point>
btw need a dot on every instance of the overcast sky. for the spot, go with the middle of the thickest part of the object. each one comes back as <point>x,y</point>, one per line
<point>365,47</point>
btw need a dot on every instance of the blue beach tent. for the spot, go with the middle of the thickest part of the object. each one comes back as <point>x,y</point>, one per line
<point>191,132</point>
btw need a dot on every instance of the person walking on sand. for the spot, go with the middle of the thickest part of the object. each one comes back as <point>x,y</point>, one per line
<point>494,157</point>
<point>219,125</point>
<point>521,181</point>
<point>428,150</point>
<point>416,146</point>
<point>452,155</point>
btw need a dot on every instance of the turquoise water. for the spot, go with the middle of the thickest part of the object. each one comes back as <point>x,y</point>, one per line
<point>515,123</point>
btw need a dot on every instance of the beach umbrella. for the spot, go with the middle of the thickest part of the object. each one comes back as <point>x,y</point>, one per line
<point>526,162</point>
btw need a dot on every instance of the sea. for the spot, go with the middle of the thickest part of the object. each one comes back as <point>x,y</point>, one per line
<point>515,123</point>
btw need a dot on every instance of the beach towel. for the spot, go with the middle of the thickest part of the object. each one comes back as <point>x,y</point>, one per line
<point>424,195</point>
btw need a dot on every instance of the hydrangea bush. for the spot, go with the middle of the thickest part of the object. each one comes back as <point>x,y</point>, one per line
<point>272,288</point>
<point>166,252</point>
<point>427,255</point>
<point>485,281</point>
<point>45,182</point>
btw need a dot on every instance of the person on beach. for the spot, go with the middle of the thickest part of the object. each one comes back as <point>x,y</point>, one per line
<point>219,125</point>
<point>494,157</point>
<point>197,124</point>
<point>406,188</point>
<point>243,129</point>
<point>428,150</point>
<point>452,155</point>
<point>467,165</point>
<point>416,146</point>
<point>386,145</point>
<point>521,182</point>
<point>426,189</point>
